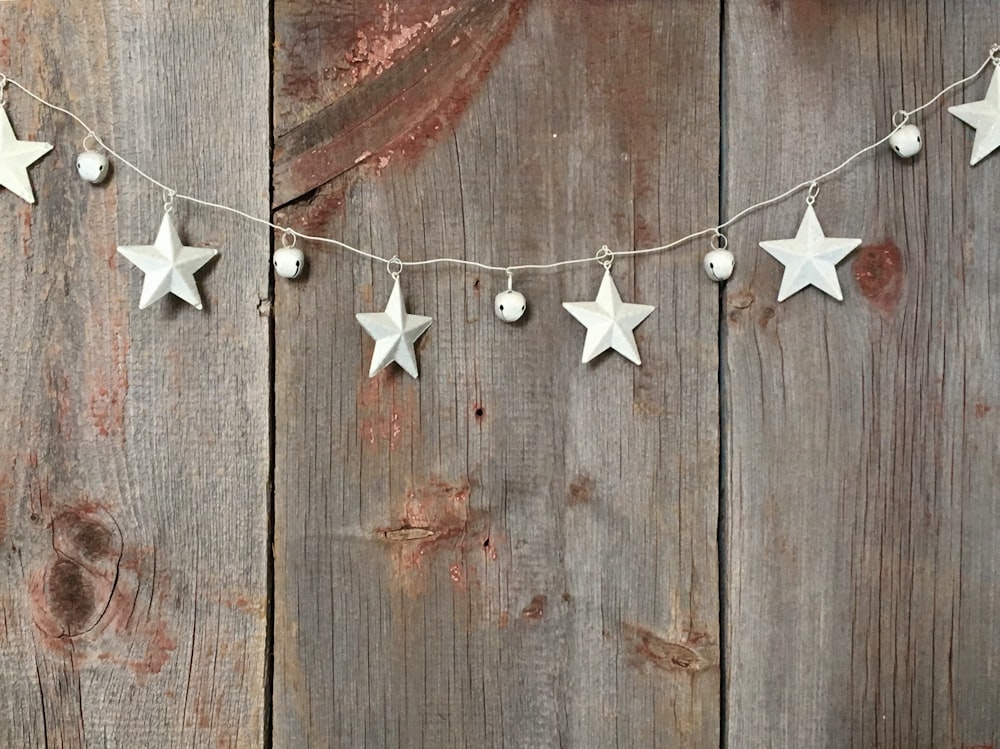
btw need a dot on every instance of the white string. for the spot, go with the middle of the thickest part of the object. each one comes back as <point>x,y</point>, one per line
<point>394,261</point>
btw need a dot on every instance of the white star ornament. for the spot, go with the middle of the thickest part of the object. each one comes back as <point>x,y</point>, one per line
<point>169,266</point>
<point>810,259</point>
<point>609,322</point>
<point>395,331</point>
<point>984,116</point>
<point>15,158</point>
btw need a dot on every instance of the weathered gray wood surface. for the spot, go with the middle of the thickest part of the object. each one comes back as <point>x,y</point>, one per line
<point>862,461</point>
<point>517,550</point>
<point>134,445</point>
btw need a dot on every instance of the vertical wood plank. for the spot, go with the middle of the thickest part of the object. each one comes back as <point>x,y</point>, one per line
<point>134,445</point>
<point>862,459</point>
<point>515,550</point>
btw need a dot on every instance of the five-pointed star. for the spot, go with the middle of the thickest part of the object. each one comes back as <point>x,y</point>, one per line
<point>810,259</point>
<point>985,117</point>
<point>609,322</point>
<point>15,158</point>
<point>169,266</point>
<point>395,331</point>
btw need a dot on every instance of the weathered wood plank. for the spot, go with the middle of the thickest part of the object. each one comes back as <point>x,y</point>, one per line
<point>515,550</point>
<point>134,446</point>
<point>862,458</point>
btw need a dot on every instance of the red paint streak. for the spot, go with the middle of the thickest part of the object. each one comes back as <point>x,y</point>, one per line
<point>58,390</point>
<point>438,524</point>
<point>581,490</point>
<point>158,648</point>
<point>650,648</point>
<point>248,606</point>
<point>398,125</point>
<point>6,501</point>
<point>385,412</point>
<point>441,508</point>
<point>377,46</point>
<point>878,270</point>
<point>535,609</point>
<point>24,214</point>
<point>108,385</point>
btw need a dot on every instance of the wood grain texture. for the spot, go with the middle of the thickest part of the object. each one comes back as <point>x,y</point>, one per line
<point>134,446</point>
<point>515,550</point>
<point>862,455</point>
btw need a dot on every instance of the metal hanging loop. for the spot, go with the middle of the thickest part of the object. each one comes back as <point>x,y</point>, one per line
<point>813,192</point>
<point>288,237</point>
<point>395,266</point>
<point>90,142</point>
<point>900,118</point>
<point>605,257</point>
<point>168,201</point>
<point>719,241</point>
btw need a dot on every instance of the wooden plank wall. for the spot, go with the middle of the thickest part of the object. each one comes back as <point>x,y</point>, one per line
<point>862,454</point>
<point>134,446</point>
<point>517,549</point>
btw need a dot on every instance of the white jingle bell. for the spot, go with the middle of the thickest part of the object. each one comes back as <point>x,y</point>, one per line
<point>93,166</point>
<point>906,142</point>
<point>719,264</point>
<point>289,262</point>
<point>509,305</point>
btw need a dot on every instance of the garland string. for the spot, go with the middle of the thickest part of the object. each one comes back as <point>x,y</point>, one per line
<point>899,119</point>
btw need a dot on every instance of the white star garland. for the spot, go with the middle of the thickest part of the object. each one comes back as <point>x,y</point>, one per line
<point>609,321</point>
<point>395,331</point>
<point>984,116</point>
<point>810,258</point>
<point>169,266</point>
<point>15,158</point>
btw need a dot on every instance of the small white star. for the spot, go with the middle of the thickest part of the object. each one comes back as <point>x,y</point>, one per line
<point>395,331</point>
<point>169,266</point>
<point>609,322</point>
<point>810,259</point>
<point>15,158</point>
<point>984,116</point>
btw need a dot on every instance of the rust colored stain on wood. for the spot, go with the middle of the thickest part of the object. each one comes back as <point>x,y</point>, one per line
<point>109,385</point>
<point>401,97</point>
<point>878,270</point>
<point>981,410</point>
<point>438,522</point>
<point>580,490</point>
<point>535,609</point>
<point>385,410</point>
<point>659,652</point>
<point>6,500</point>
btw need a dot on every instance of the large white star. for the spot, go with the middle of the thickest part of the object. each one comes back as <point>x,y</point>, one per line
<point>810,259</point>
<point>984,116</point>
<point>395,331</point>
<point>169,266</point>
<point>15,158</point>
<point>609,322</point>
